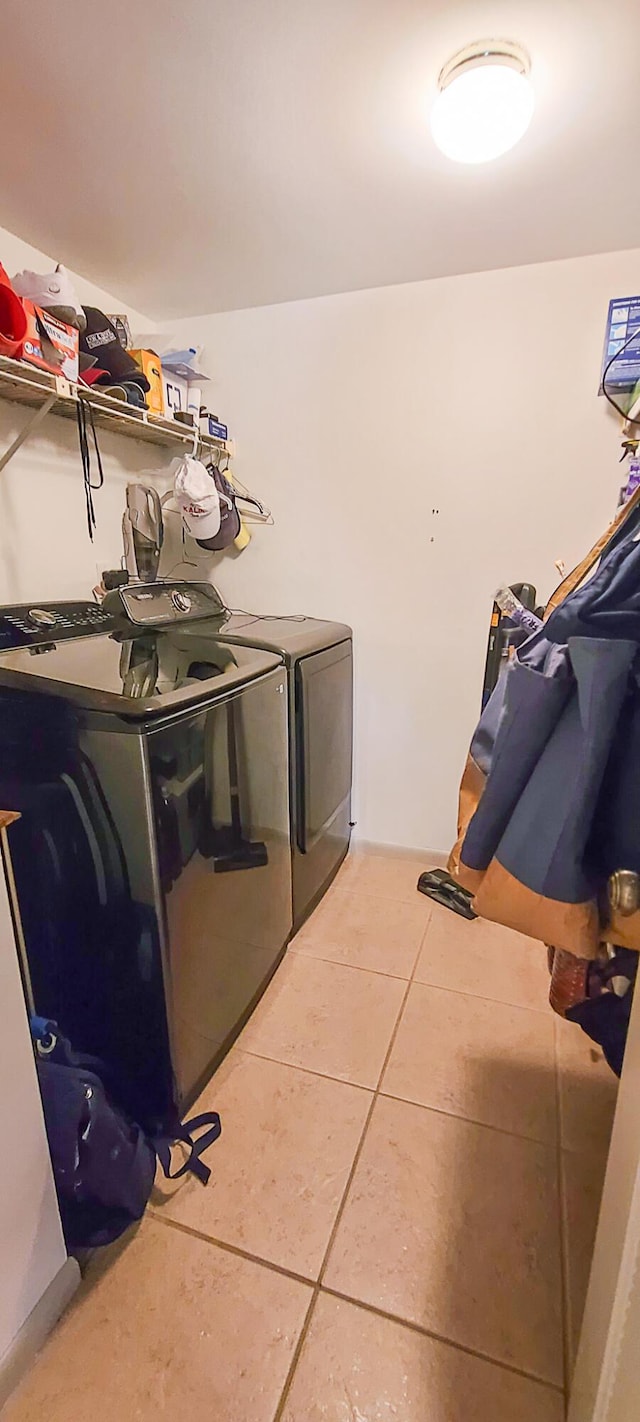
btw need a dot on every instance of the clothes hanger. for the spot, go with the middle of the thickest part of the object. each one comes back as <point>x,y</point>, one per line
<point>258,512</point>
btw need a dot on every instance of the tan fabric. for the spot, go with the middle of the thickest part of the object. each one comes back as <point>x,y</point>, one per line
<point>469,795</point>
<point>470,879</point>
<point>503,899</point>
<point>624,932</point>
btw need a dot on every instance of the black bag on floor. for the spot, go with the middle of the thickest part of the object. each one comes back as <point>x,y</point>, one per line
<point>103,1163</point>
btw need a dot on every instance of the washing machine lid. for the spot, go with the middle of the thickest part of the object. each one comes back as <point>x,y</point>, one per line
<point>152,673</point>
<point>291,637</point>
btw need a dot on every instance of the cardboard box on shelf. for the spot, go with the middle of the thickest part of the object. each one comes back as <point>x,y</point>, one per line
<point>63,358</point>
<point>210,426</point>
<point>176,393</point>
<point>149,363</point>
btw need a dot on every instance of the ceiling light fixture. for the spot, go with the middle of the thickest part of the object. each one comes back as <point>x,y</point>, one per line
<point>485,102</point>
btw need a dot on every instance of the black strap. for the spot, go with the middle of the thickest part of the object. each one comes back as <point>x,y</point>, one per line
<point>86,423</point>
<point>184,1132</point>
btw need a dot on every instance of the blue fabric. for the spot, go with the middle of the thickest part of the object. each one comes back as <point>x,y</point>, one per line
<point>103,1162</point>
<point>545,842</point>
<point>560,743</point>
<point>530,704</point>
<point>608,605</point>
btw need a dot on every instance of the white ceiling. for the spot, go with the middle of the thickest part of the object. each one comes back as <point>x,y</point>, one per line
<point>212,154</point>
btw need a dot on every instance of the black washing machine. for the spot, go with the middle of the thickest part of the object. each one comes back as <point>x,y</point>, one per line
<point>149,763</point>
<point>319,659</point>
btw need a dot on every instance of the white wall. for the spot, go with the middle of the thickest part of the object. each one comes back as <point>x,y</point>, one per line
<point>418,444</point>
<point>45,551</point>
<point>33,1249</point>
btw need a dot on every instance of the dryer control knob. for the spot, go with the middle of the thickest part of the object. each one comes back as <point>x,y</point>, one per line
<point>181,601</point>
<point>41,617</point>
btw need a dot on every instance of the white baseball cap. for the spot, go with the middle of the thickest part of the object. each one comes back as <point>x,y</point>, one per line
<point>48,288</point>
<point>197,497</point>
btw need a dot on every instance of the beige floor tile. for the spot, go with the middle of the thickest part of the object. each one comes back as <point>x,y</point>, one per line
<point>356,1367</point>
<point>281,1165</point>
<point>455,1227</point>
<point>329,1018</point>
<point>582,1182</point>
<point>483,1060</point>
<point>381,934</point>
<point>588,1091</point>
<point>384,876</point>
<point>484,959</point>
<point>173,1327</point>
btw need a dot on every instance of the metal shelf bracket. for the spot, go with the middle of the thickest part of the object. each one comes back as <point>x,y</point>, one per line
<point>32,424</point>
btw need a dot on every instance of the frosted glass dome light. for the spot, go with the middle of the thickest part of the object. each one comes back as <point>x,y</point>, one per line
<point>485,104</point>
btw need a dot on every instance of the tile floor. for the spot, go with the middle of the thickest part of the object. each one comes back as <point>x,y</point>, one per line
<point>403,1204</point>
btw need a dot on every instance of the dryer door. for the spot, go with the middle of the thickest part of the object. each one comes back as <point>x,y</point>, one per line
<point>324,735</point>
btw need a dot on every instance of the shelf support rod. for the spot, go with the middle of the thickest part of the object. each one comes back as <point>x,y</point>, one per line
<point>28,429</point>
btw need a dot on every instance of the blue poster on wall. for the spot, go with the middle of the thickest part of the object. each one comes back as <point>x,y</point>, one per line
<point>623,321</point>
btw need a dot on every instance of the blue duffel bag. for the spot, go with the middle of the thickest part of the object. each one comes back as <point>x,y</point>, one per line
<point>104,1164</point>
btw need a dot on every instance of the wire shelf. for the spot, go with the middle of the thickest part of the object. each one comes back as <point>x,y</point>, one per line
<point>24,384</point>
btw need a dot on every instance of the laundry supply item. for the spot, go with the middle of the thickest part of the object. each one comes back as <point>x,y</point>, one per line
<point>197,497</point>
<point>100,339</point>
<point>185,363</point>
<point>54,292</point>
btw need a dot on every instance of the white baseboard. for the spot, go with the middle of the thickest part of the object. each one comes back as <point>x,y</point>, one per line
<point>36,1328</point>
<point>433,858</point>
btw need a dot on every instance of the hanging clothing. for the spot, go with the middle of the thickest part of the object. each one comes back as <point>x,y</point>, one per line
<point>550,796</point>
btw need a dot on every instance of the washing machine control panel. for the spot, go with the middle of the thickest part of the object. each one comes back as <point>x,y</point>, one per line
<point>34,624</point>
<point>155,604</point>
<point>40,624</point>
